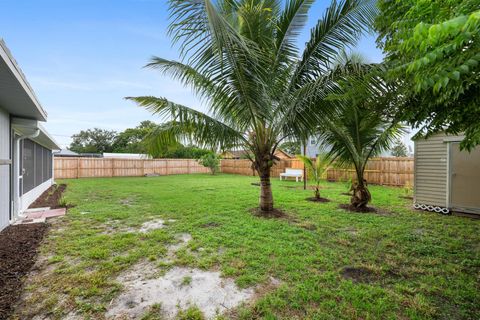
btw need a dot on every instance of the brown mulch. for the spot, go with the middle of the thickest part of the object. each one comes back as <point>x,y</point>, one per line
<point>50,198</point>
<point>275,213</point>
<point>18,252</point>
<point>313,199</point>
<point>349,207</point>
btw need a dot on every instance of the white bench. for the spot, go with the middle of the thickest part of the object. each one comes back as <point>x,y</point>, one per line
<point>294,173</point>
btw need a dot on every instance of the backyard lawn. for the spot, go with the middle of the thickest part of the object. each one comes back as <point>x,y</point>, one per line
<point>317,262</point>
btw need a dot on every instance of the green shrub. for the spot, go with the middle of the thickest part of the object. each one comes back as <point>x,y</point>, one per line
<point>211,161</point>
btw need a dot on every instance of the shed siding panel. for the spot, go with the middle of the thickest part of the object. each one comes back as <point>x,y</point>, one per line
<point>431,169</point>
<point>4,169</point>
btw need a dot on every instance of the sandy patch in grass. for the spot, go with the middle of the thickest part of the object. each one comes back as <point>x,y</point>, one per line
<point>179,289</point>
<point>152,225</point>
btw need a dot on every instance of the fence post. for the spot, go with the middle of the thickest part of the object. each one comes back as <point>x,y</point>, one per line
<point>78,168</point>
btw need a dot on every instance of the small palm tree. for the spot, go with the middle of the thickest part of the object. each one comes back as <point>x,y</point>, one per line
<point>317,170</point>
<point>360,131</point>
<point>241,57</point>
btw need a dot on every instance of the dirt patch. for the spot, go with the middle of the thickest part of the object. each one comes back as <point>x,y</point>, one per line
<point>275,213</point>
<point>210,225</point>
<point>313,199</point>
<point>308,226</point>
<point>51,198</point>
<point>179,289</point>
<point>358,274</point>
<point>18,252</point>
<point>351,208</point>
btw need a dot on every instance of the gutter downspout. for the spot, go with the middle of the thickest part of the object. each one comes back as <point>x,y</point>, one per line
<point>16,172</point>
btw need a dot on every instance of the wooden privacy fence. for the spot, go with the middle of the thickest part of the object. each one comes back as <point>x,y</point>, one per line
<point>67,168</point>
<point>383,171</point>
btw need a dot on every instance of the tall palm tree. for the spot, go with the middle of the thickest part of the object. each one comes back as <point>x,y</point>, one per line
<point>241,58</point>
<point>359,131</point>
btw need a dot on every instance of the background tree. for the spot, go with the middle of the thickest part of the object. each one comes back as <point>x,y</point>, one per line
<point>316,170</point>
<point>292,147</point>
<point>241,57</point>
<point>93,141</point>
<point>358,131</point>
<point>211,161</point>
<point>433,49</point>
<point>399,149</point>
<point>132,140</point>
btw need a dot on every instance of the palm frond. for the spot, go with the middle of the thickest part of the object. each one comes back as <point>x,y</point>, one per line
<point>340,27</point>
<point>289,25</point>
<point>187,124</point>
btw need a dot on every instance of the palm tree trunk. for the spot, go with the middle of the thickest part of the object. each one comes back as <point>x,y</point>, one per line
<point>266,198</point>
<point>317,192</point>
<point>361,195</point>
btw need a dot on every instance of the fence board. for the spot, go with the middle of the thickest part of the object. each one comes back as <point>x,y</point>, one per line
<point>70,168</point>
<point>384,171</point>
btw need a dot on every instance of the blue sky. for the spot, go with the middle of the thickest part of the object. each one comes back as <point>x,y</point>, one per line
<point>83,56</point>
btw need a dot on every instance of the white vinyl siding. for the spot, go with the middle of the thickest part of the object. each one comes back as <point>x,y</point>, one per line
<point>431,171</point>
<point>4,169</point>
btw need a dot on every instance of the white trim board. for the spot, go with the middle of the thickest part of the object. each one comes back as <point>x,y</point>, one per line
<point>28,198</point>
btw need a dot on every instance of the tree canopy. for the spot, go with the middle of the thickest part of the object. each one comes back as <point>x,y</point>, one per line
<point>132,140</point>
<point>433,49</point>
<point>94,140</point>
<point>399,149</point>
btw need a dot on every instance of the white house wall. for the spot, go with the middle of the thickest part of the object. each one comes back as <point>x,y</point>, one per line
<point>4,169</point>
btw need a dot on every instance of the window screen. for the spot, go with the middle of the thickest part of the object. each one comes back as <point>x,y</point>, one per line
<point>37,165</point>
<point>28,165</point>
<point>49,164</point>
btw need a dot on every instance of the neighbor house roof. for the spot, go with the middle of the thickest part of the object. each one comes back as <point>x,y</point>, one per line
<point>127,155</point>
<point>65,153</point>
<point>242,154</point>
<point>16,95</point>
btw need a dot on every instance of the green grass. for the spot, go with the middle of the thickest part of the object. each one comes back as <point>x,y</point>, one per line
<point>420,265</point>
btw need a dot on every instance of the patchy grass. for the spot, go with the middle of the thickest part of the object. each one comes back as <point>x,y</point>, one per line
<point>332,264</point>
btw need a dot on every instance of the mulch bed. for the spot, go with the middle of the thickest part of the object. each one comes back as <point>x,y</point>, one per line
<point>313,199</point>
<point>275,213</point>
<point>349,207</point>
<point>18,252</point>
<point>50,198</point>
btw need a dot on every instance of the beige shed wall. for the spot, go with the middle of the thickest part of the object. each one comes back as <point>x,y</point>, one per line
<point>431,171</point>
